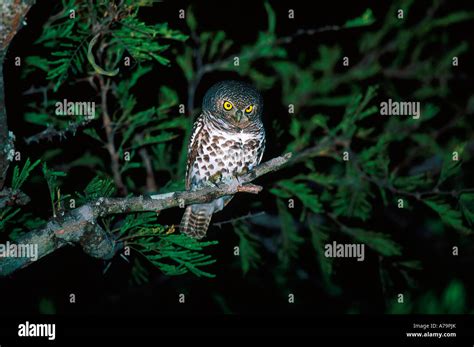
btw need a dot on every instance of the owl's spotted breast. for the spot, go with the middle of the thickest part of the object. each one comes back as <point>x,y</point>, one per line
<point>222,155</point>
<point>228,140</point>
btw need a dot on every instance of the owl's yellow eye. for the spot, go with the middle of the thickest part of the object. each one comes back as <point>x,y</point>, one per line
<point>249,109</point>
<point>227,106</point>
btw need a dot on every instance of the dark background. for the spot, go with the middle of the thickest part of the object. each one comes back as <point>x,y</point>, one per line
<point>69,270</point>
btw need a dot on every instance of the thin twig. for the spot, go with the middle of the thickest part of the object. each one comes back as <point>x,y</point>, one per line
<point>238,219</point>
<point>50,132</point>
<point>151,185</point>
<point>110,135</point>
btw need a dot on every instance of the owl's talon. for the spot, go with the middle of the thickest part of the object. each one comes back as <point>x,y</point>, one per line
<point>234,183</point>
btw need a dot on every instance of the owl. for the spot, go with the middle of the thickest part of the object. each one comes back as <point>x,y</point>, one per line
<point>228,140</point>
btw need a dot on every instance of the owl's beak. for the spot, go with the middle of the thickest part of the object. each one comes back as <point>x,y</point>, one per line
<point>238,115</point>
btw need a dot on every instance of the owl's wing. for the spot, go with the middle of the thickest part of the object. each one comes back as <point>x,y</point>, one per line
<point>261,149</point>
<point>193,149</point>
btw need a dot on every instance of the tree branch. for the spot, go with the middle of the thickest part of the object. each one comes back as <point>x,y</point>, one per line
<point>13,13</point>
<point>80,226</point>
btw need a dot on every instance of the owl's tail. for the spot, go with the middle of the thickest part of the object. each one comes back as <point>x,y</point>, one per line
<point>196,220</point>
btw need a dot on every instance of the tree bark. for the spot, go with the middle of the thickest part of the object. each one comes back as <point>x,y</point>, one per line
<point>13,13</point>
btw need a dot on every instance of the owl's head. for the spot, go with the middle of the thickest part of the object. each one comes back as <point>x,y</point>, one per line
<point>235,102</point>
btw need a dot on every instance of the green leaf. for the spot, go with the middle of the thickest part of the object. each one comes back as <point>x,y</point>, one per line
<point>140,223</point>
<point>173,254</point>
<point>367,18</point>
<point>450,19</point>
<point>448,215</point>
<point>319,178</point>
<point>381,243</point>
<point>218,38</point>
<point>466,201</point>
<point>136,75</point>
<point>352,200</point>
<point>185,62</point>
<point>191,20</point>
<point>328,57</point>
<point>454,298</point>
<point>357,110</point>
<point>271,17</point>
<point>168,98</point>
<point>98,187</point>
<point>6,215</point>
<point>88,160</point>
<point>69,39</point>
<point>38,62</point>
<point>320,120</point>
<point>451,167</point>
<point>319,237</point>
<point>92,133</point>
<point>248,247</point>
<point>280,193</point>
<point>409,183</point>
<point>141,40</point>
<point>51,178</point>
<point>290,240</point>
<point>38,118</point>
<point>19,177</point>
<point>150,140</point>
<point>302,192</point>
